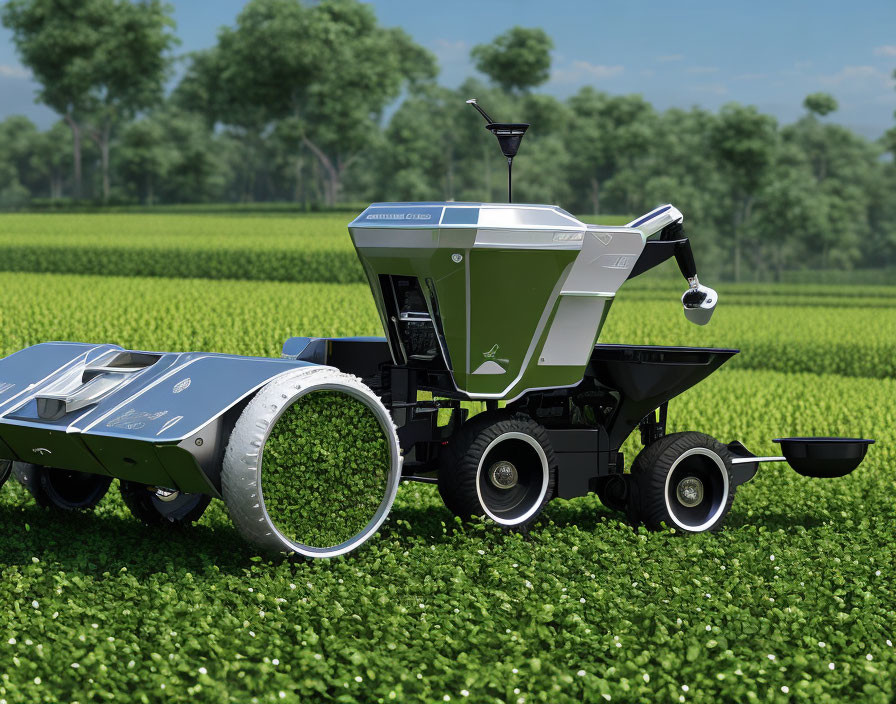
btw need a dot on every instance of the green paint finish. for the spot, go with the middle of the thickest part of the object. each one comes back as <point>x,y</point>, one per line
<point>490,302</point>
<point>324,469</point>
<point>509,291</point>
<point>542,377</point>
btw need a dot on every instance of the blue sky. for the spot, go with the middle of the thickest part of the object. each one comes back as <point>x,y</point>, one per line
<point>769,54</point>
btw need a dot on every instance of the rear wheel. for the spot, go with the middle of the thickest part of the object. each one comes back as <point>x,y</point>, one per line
<point>64,489</point>
<point>684,481</point>
<point>501,466</point>
<point>156,506</point>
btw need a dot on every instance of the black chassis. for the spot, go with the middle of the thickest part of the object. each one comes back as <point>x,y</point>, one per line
<point>624,387</point>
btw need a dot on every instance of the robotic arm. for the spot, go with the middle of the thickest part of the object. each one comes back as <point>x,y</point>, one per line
<point>699,301</point>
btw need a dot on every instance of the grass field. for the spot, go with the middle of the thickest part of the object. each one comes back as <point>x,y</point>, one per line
<point>794,600</point>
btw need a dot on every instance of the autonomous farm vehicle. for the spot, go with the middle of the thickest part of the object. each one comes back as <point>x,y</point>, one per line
<point>501,304</point>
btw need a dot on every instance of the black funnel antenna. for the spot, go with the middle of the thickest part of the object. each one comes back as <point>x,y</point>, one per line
<point>510,135</point>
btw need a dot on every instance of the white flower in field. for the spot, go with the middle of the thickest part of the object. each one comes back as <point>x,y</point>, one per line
<point>37,680</point>
<point>251,589</point>
<point>681,697</point>
<point>830,666</point>
<point>11,641</point>
<point>358,678</point>
<point>684,688</point>
<point>606,696</point>
<point>203,671</point>
<point>581,673</point>
<point>446,698</point>
<point>738,671</point>
<point>292,586</point>
<point>582,600</point>
<point>869,657</point>
<point>709,628</point>
<point>464,693</point>
<point>481,552</point>
<point>821,644</point>
<point>282,694</point>
<point>75,665</point>
<point>771,557</point>
<point>35,604</point>
<point>528,584</point>
<point>877,573</point>
<point>785,689</point>
<point>516,690</point>
<point>889,642</point>
<point>514,670</point>
<point>646,677</point>
<point>619,645</point>
<point>275,661</point>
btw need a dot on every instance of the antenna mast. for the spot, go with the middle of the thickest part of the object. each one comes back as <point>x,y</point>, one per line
<point>510,135</point>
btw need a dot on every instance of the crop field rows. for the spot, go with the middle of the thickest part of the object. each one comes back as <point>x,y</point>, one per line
<point>794,600</point>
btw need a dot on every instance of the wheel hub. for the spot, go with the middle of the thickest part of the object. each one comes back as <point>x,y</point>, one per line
<point>503,475</point>
<point>689,491</point>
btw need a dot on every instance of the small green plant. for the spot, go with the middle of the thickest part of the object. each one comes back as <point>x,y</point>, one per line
<point>324,469</point>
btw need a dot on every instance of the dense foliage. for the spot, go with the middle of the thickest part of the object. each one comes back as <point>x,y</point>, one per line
<point>310,248</point>
<point>304,121</point>
<point>785,328</point>
<point>324,469</point>
<point>792,601</point>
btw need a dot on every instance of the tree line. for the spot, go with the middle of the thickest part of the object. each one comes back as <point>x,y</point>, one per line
<point>297,102</point>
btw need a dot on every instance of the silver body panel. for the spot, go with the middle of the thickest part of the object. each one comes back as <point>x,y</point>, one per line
<point>178,400</point>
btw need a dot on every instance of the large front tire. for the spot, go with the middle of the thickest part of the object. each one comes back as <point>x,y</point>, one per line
<point>62,489</point>
<point>323,465</point>
<point>684,480</point>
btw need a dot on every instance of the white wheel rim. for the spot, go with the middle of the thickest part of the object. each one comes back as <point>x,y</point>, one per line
<point>393,480</point>
<point>719,463</point>
<point>545,471</point>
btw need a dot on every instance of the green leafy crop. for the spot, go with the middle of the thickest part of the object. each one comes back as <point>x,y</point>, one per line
<point>324,469</point>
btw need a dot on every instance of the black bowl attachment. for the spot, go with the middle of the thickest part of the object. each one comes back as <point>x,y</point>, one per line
<point>824,457</point>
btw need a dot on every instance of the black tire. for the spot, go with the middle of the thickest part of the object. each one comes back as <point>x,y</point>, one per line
<point>490,439</point>
<point>613,491</point>
<point>5,469</point>
<point>145,505</point>
<point>677,470</point>
<point>62,489</point>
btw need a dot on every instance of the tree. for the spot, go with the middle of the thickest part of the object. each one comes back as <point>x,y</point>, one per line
<point>606,133</point>
<point>743,142</point>
<point>517,60</point>
<point>820,104</point>
<point>329,67</point>
<point>98,62</point>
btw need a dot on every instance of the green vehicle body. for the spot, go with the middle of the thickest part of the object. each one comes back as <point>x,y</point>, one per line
<point>516,306</point>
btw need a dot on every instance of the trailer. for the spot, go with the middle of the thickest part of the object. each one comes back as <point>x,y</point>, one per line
<point>500,303</point>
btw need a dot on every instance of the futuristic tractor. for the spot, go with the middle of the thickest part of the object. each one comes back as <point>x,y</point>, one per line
<point>499,303</point>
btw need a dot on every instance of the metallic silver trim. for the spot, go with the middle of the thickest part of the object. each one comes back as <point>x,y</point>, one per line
<point>750,460</point>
